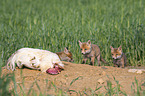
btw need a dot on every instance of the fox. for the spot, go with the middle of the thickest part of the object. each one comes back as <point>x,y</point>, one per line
<point>34,59</point>
<point>65,55</point>
<point>91,51</point>
<point>119,58</point>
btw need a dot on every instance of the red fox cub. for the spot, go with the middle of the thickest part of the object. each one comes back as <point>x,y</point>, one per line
<point>90,51</point>
<point>119,58</point>
<point>65,55</point>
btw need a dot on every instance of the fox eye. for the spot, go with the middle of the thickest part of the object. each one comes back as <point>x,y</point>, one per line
<point>116,54</point>
<point>85,49</point>
<point>81,49</point>
<point>112,54</point>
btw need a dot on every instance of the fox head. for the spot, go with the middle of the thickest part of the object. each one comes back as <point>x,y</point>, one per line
<point>116,52</point>
<point>66,55</point>
<point>85,47</point>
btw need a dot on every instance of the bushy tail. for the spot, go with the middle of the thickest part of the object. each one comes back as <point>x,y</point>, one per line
<point>11,62</point>
<point>103,60</point>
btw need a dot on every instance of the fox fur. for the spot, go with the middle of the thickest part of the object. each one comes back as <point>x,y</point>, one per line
<point>119,58</point>
<point>65,55</point>
<point>91,51</point>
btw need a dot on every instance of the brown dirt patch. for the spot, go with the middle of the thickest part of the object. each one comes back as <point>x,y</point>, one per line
<point>88,77</point>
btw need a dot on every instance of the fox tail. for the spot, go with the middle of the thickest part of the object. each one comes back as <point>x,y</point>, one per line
<point>103,60</point>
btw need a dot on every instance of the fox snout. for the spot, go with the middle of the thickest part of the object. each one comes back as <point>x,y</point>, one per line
<point>70,60</point>
<point>114,57</point>
<point>83,52</point>
<point>69,57</point>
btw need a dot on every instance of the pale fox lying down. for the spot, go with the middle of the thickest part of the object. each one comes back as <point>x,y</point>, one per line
<point>34,59</point>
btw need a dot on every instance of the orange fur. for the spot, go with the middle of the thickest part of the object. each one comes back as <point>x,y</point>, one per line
<point>91,51</point>
<point>65,55</point>
<point>119,58</point>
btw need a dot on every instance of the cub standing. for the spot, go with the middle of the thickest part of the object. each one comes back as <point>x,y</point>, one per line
<point>90,51</point>
<point>119,58</point>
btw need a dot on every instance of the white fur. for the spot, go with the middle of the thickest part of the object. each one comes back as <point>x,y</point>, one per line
<point>34,59</point>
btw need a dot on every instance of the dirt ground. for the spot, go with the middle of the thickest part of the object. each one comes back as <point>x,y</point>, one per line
<point>87,78</point>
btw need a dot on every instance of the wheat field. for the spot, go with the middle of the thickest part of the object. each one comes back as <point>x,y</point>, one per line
<point>55,24</point>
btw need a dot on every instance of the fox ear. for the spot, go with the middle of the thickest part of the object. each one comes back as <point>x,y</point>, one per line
<point>80,43</point>
<point>89,42</point>
<point>111,47</point>
<point>66,50</point>
<point>119,48</point>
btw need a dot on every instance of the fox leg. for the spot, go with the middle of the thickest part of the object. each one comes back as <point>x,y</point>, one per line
<point>115,65</point>
<point>84,60</point>
<point>98,58</point>
<point>92,60</point>
<point>122,65</point>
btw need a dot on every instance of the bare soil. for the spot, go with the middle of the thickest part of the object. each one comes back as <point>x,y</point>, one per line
<point>87,75</point>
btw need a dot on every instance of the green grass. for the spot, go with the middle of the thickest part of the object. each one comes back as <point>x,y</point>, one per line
<point>110,89</point>
<point>55,24</point>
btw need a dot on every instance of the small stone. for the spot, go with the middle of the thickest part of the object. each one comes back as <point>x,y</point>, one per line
<point>100,81</point>
<point>139,72</point>
<point>103,73</point>
<point>132,70</point>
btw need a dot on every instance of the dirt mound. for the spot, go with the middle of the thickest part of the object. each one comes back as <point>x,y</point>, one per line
<point>78,77</point>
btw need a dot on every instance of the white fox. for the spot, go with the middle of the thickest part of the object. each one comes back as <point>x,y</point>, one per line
<point>34,59</point>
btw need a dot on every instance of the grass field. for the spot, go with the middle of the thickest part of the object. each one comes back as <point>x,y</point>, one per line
<point>55,24</point>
